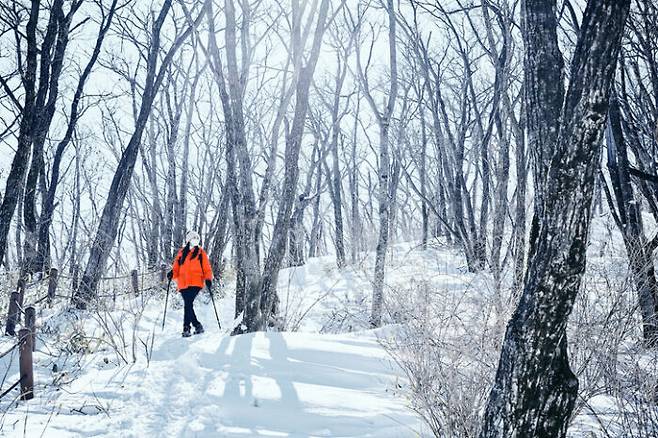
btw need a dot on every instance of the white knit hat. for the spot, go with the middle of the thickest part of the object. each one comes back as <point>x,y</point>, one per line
<point>193,238</point>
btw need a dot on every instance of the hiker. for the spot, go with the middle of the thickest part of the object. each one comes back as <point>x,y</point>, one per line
<point>191,270</point>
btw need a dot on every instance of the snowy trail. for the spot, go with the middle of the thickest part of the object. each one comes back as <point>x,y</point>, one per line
<point>214,385</point>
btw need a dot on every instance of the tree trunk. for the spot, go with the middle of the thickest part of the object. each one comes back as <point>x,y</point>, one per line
<point>423,182</point>
<point>153,244</point>
<point>243,201</point>
<point>337,199</point>
<point>180,227</point>
<point>277,249</point>
<point>520,207</point>
<point>535,391</point>
<point>43,247</point>
<point>356,231</point>
<point>44,109</point>
<point>630,224</point>
<point>543,82</point>
<point>335,174</point>
<point>110,218</point>
<point>220,235</point>
<point>171,200</point>
<point>383,189</point>
<point>316,227</point>
<point>296,247</point>
<point>26,132</point>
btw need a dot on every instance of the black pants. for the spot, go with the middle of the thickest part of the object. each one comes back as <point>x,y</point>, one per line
<point>189,317</point>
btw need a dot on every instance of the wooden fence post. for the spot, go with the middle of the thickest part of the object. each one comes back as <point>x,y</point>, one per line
<point>52,284</point>
<point>135,281</point>
<point>25,365</point>
<point>12,316</point>
<point>30,324</point>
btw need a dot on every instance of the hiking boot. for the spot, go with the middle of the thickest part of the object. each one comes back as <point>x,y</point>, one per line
<point>186,333</point>
<point>198,329</point>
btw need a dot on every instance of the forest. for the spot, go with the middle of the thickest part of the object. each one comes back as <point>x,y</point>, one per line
<point>469,188</point>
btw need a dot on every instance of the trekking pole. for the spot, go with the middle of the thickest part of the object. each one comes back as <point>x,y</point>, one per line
<point>166,301</point>
<point>212,298</point>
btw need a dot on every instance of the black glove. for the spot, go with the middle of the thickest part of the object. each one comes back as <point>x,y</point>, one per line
<point>209,284</point>
<point>170,275</point>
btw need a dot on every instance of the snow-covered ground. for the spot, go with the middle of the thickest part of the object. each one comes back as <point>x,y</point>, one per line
<point>326,375</point>
<point>265,384</point>
<point>296,384</point>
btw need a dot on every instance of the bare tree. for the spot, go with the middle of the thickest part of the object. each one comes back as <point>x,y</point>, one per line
<point>384,119</point>
<point>109,221</point>
<point>535,390</point>
<point>43,248</point>
<point>304,73</point>
<point>28,108</point>
<point>627,215</point>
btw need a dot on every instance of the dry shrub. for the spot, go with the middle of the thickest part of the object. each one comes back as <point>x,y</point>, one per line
<point>618,375</point>
<point>447,342</point>
<point>447,347</point>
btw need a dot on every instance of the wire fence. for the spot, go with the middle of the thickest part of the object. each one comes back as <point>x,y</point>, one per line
<point>46,289</point>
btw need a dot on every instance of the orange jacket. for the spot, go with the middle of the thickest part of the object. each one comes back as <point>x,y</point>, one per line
<point>194,271</point>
